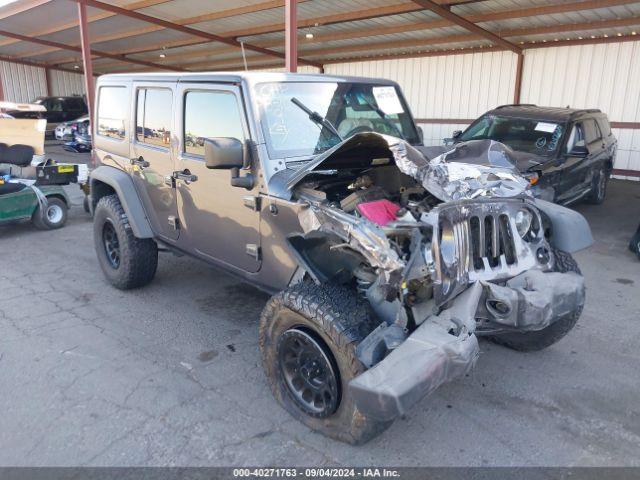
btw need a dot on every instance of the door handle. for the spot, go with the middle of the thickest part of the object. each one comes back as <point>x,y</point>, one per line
<point>140,162</point>
<point>185,176</point>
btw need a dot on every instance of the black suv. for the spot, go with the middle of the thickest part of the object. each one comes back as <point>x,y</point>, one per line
<point>59,109</point>
<point>567,154</point>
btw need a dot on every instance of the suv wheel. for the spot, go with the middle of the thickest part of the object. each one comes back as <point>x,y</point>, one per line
<point>308,338</point>
<point>127,261</point>
<point>54,216</point>
<point>541,339</point>
<point>598,187</point>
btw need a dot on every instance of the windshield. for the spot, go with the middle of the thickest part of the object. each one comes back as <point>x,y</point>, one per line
<point>349,107</point>
<point>521,134</point>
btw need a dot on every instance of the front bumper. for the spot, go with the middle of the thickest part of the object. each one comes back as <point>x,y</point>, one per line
<point>445,347</point>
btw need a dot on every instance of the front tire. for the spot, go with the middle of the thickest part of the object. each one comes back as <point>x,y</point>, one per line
<point>329,320</point>
<point>127,261</point>
<point>541,339</point>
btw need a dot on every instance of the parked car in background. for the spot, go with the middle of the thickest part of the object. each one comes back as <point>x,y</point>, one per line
<point>567,154</point>
<point>58,109</point>
<point>66,131</point>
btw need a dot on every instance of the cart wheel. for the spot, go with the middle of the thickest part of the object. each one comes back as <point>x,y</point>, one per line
<point>55,215</point>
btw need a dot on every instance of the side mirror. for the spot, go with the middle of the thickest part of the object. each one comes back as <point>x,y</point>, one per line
<point>223,152</point>
<point>421,135</point>
<point>456,134</point>
<point>579,151</point>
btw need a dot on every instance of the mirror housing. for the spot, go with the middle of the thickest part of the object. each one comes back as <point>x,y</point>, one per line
<point>456,134</point>
<point>420,134</point>
<point>579,151</point>
<point>223,152</point>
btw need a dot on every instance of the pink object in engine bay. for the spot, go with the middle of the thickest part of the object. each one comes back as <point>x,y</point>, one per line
<point>380,212</point>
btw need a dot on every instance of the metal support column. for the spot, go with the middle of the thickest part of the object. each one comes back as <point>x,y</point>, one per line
<point>47,76</point>
<point>518,87</point>
<point>291,35</point>
<point>86,59</point>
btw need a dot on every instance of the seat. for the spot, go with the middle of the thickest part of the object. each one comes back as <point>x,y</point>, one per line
<point>7,188</point>
<point>18,155</point>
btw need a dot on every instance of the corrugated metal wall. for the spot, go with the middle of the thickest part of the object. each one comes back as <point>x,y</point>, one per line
<point>66,83</point>
<point>605,76</point>
<point>22,83</point>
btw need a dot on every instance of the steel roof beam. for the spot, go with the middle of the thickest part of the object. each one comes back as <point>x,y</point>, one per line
<point>97,53</point>
<point>467,25</point>
<point>188,30</point>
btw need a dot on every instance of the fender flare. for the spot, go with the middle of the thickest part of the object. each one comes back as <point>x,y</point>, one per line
<point>123,185</point>
<point>570,230</point>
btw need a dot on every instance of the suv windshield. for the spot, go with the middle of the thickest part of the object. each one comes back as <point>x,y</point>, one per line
<point>522,134</point>
<point>350,107</point>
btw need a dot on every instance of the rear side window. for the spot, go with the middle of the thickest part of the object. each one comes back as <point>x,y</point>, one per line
<point>153,117</point>
<point>209,115</point>
<point>591,131</point>
<point>112,112</point>
<point>74,104</point>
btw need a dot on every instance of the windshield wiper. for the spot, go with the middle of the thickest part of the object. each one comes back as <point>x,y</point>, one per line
<point>316,118</point>
<point>383,116</point>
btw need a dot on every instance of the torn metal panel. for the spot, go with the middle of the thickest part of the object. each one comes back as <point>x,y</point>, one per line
<point>441,349</point>
<point>533,300</point>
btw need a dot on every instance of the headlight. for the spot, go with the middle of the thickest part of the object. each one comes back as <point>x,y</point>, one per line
<point>524,218</point>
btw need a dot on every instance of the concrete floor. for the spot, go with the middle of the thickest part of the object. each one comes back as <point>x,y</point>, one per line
<point>171,374</point>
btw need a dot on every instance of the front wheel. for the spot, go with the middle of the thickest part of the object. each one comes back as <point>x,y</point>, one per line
<point>308,338</point>
<point>541,339</point>
<point>127,261</point>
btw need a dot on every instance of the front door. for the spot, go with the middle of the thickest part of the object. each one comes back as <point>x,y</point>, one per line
<point>152,160</point>
<point>218,220</point>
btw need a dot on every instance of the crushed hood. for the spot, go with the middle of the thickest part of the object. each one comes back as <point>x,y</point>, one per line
<point>468,170</point>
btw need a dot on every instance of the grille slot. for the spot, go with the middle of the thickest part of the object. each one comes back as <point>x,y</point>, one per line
<point>491,241</point>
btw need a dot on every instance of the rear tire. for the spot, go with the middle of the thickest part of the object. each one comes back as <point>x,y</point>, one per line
<point>598,188</point>
<point>127,261</point>
<point>335,319</point>
<point>541,339</point>
<point>54,216</point>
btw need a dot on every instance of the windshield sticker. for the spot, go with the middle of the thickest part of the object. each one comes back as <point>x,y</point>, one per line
<point>387,99</point>
<point>546,127</point>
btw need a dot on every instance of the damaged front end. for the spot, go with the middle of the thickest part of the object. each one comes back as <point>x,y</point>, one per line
<point>443,250</point>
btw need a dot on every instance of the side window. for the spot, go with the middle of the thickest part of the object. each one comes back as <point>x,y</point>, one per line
<point>208,115</point>
<point>112,110</point>
<point>54,105</point>
<point>576,137</point>
<point>591,132</point>
<point>153,116</point>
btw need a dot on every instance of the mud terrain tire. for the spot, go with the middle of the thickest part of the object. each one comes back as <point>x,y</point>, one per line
<point>129,262</point>
<point>534,341</point>
<point>338,319</point>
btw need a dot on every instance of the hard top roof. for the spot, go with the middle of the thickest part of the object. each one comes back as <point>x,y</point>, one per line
<point>556,114</point>
<point>237,77</point>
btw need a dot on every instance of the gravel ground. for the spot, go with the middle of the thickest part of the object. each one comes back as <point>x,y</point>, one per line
<point>171,375</point>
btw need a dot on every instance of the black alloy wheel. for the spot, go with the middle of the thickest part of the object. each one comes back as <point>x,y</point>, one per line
<point>111,244</point>
<point>309,372</point>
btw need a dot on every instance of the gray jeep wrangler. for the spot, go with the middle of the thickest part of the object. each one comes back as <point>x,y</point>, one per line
<point>385,265</point>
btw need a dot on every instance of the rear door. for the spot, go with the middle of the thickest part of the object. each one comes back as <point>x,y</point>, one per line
<point>152,164</point>
<point>219,222</point>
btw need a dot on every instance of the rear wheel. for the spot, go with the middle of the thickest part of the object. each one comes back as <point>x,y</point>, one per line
<point>308,337</point>
<point>541,339</point>
<point>54,215</point>
<point>127,261</point>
